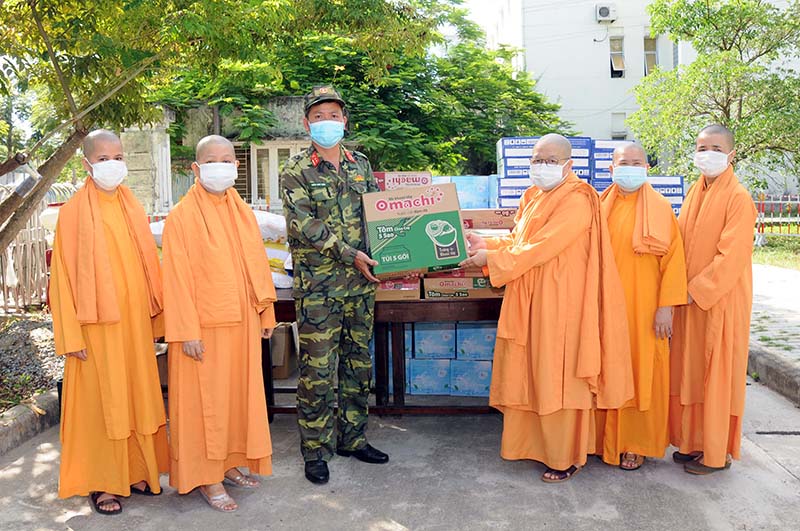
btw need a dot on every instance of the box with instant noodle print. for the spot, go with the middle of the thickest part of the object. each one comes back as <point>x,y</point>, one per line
<point>414,230</point>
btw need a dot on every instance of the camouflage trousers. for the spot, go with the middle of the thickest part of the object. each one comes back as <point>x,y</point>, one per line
<point>334,334</point>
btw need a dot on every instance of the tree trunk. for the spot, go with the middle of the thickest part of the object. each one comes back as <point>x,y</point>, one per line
<point>49,170</point>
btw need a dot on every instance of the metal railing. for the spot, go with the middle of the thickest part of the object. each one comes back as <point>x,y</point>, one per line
<point>778,215</point>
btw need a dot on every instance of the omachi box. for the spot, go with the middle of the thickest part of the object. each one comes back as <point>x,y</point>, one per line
<point>429,377</point>
<point>400,289</point>
<point>392,180</point>
<point>470,378</point>
<point>460,288</point>
<point>475,340</point>
<point>434,340</point>
<point>414,230</point>
<point>472,272</point>
<point>489,218</point>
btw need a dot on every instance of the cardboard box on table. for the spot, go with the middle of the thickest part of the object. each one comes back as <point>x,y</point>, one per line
<point>489,218</point>
<point>470,378</point>
<point>414,230</point>
<point>461,288</point>
<point>398,290</point>
<point>392,180</point>
<point>284,347</point>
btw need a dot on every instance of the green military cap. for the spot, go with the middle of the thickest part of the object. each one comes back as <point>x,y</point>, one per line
<point>319,94</point>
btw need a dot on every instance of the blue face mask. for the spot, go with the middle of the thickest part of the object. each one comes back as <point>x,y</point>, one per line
<point>629,178</point>
<point>326,133</point>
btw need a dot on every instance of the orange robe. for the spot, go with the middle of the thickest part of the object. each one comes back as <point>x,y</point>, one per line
<point>710,339</point>
<point>561,345</point>
<point>653,272</point>
<point>217,288</point>
<point>113,430</point>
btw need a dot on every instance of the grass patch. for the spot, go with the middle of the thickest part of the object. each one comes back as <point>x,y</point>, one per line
<point>780,251</point>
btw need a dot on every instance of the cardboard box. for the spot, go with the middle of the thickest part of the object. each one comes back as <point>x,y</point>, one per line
<point>398,290</point>
<point>473,190</point>
<point>470,378</point>
<point>458,273</point>
<point>489,218</point>
<point>461,288</point>
<point>414,230</point>
<point>392,180</point>
<point>429,377</point>
<point>476,340</point>
<point>435,340</point>
<point>284,348</point>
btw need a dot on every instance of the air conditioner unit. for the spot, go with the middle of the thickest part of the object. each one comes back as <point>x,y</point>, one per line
<point>605,12</point>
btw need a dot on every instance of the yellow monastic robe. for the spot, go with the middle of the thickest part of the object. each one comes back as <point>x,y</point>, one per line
<point>112,418</point>
<point>711,336</point>
<point>559,348</point>
<point>649,282</point>
<point>218,411</point>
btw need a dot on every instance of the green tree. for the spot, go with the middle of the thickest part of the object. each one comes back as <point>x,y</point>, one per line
<point>94,62</point>
<point>443,110</point>
<point>742,78</point>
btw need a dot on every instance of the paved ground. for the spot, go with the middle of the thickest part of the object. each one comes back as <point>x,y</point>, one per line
<point>445,473</point>
<point>776,310</point>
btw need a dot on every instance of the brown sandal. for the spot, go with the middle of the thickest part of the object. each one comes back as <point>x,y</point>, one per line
<point>633,463</point>
<point>241,480</point>
<point>699,469</point>
<point>685,458</point>
<point>561,475</point>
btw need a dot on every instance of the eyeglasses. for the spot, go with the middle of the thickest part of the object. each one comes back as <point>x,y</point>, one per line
<point>547,162</point>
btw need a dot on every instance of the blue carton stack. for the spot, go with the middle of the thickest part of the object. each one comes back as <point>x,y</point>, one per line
<point>513,163</point>
<point>603,152</point>
<point>672,187</point>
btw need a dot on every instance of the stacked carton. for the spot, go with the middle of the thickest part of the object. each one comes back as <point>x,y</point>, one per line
<point>452,358</point>
<point>513,164</point>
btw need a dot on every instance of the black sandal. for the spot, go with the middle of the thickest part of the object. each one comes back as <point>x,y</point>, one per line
<point>99,506</point>
<point>684,458</point>
<point>146,491</point>
<point>562,475</point>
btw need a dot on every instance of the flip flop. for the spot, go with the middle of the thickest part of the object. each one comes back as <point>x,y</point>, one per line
<point>637,463</point>
<point>564,475</point>
<point>98,506</point>
<point>218,501</point>
<point>144,492</point>
<point>699,469</point>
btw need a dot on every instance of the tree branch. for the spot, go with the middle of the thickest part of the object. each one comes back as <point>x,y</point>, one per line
<point>53,59</point>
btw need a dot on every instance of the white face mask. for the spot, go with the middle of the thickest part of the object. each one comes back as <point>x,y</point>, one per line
<point>217,176</point>
<point>546,177</point>
<point>711,163</point>
<point>108,174</point>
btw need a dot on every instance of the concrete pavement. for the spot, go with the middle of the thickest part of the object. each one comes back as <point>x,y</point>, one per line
<point>775,329</point>
<point>445,473</point>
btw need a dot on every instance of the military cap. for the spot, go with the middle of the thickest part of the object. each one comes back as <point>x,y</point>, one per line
<point>319,94</point>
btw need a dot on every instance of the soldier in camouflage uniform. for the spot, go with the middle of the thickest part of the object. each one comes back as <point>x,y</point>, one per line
<point>334,288</point>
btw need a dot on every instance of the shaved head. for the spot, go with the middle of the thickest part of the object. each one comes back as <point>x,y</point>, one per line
<point>631,154</point>
<point>212,143</point>
<point>100,137</point>
<point>722,134</point>
<point>558,145</point>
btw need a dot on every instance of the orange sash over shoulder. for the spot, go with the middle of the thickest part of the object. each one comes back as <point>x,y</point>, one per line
<point>215,289</point>
<point>652,229</point>
<point>86,255</point>
<point>604,359</point>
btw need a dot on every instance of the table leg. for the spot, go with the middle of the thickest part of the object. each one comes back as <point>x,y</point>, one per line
<point>381,364</point>
<point>266,374</point>
<point>399,363</point>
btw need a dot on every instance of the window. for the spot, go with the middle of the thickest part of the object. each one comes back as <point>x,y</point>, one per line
<point>675,55</point>
<point>616,45</point>
<point>242,184</point>
<point>650,55</point>
<point>619,137</point>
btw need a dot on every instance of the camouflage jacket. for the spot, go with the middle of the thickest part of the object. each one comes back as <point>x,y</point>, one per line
<point>324,219</point>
